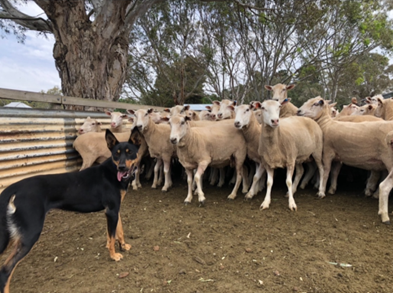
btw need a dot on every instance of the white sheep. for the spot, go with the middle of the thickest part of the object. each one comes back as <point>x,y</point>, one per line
<point>251,128</point>
<point>157,139</point>
<point>286,143</point>
<point>199,147</point>
<point>362,145</point>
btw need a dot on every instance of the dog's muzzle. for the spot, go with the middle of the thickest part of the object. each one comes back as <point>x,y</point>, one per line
<point>125,175</point>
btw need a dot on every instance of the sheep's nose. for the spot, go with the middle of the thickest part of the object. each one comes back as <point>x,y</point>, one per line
<point>173,140</point>
<point>275,121</point>
<point>139,126</point>
<point>237,124</point>
<point>219,115</point>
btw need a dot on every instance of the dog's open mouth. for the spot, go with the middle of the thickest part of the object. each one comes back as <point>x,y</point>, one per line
<point>124,175</point>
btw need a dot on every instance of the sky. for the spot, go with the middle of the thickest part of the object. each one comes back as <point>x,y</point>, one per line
<point>29,66</point>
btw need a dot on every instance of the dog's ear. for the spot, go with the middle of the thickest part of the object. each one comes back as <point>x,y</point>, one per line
<point>111,140</point>
<point>135,137</point>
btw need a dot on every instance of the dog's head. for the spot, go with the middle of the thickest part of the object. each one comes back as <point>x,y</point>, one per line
<point>124,154</point>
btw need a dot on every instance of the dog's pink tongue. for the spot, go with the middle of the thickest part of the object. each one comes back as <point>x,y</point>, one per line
<point>120,175</point>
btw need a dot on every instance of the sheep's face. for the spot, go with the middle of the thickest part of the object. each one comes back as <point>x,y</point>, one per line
<point>280,91</point>
<point>271,113</point>
<point>142,118</point>
<point>179,128</point>
<point>90,125</point>
<point>214,110</point>
<point>225,111</point>
<point>116,118</point>
<point>243,115</point>
<point>312,108</point>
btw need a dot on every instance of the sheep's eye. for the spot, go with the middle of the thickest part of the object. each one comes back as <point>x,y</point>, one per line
<point>182,122</point>
<point>93,124</point>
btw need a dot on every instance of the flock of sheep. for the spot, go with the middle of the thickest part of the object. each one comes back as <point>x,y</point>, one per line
<point>255,139</point>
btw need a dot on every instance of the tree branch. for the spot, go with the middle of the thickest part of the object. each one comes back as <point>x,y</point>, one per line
<point>32,23</point>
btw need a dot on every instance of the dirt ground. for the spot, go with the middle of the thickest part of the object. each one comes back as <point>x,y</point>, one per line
<point>336,244</point>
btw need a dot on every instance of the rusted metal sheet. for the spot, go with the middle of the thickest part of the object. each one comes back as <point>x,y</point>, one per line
<point>36,142</point>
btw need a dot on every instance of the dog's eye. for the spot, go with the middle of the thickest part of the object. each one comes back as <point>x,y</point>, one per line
<point>118,151</point>
<point>127,150</point>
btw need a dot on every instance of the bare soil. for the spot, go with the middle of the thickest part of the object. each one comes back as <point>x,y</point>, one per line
<point>337,244</point>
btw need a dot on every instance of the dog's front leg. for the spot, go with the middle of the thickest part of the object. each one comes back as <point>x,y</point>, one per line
<point>112,217</point>
<point>120,235</point>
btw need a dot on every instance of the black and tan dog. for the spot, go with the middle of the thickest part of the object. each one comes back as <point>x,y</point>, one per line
<point>23,205</point>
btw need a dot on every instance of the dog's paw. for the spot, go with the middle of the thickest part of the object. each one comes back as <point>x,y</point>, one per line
<point>116,256</point>
<point>126,246</point>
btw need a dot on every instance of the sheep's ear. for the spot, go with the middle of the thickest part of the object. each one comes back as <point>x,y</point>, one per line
<point>108,113</point>
<point>231,107</point>
<point>186,108</point>
<point>123,116</point>
<point>150,110</point>
<point>257,105</point>
<point>251,106</point>
<point>216,102</point>
<point>380,102</point>
<point>332,105</point>
<point>269,87</point>
<point>291,86</point>
<point>167,110</point>
<point>234,103</point>
<point>321,102</point>
<point>131,119</point>
<point>111,140</point>
<point>165,119</point>
<point>132,112</point>
<point>208,108</point>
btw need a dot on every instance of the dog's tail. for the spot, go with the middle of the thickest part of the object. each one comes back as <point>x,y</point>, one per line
<point>7,227</point>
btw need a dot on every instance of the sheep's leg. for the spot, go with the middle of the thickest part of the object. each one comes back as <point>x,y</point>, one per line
<point>213,176</point>
<point>245,182</point>
<point>321,173</point>
<point>384,189</point>
<point>372,182</point>
<point>327,162</point>
<point>160,174</point>
<point>88,161</point>
<point>189,173</point>
<point>167,173</point>
<point>150,169</point>
<point>222,177</point>
<point>200,170</point>
<point>136,183</point>
<point>239,176</point>
<point>288,181</point>
<point>255,182</point>
<point>157,168</point>
<point>298,176</point>
<point>311,168</point>
<point>335,170</point>
<point>266,202</point>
